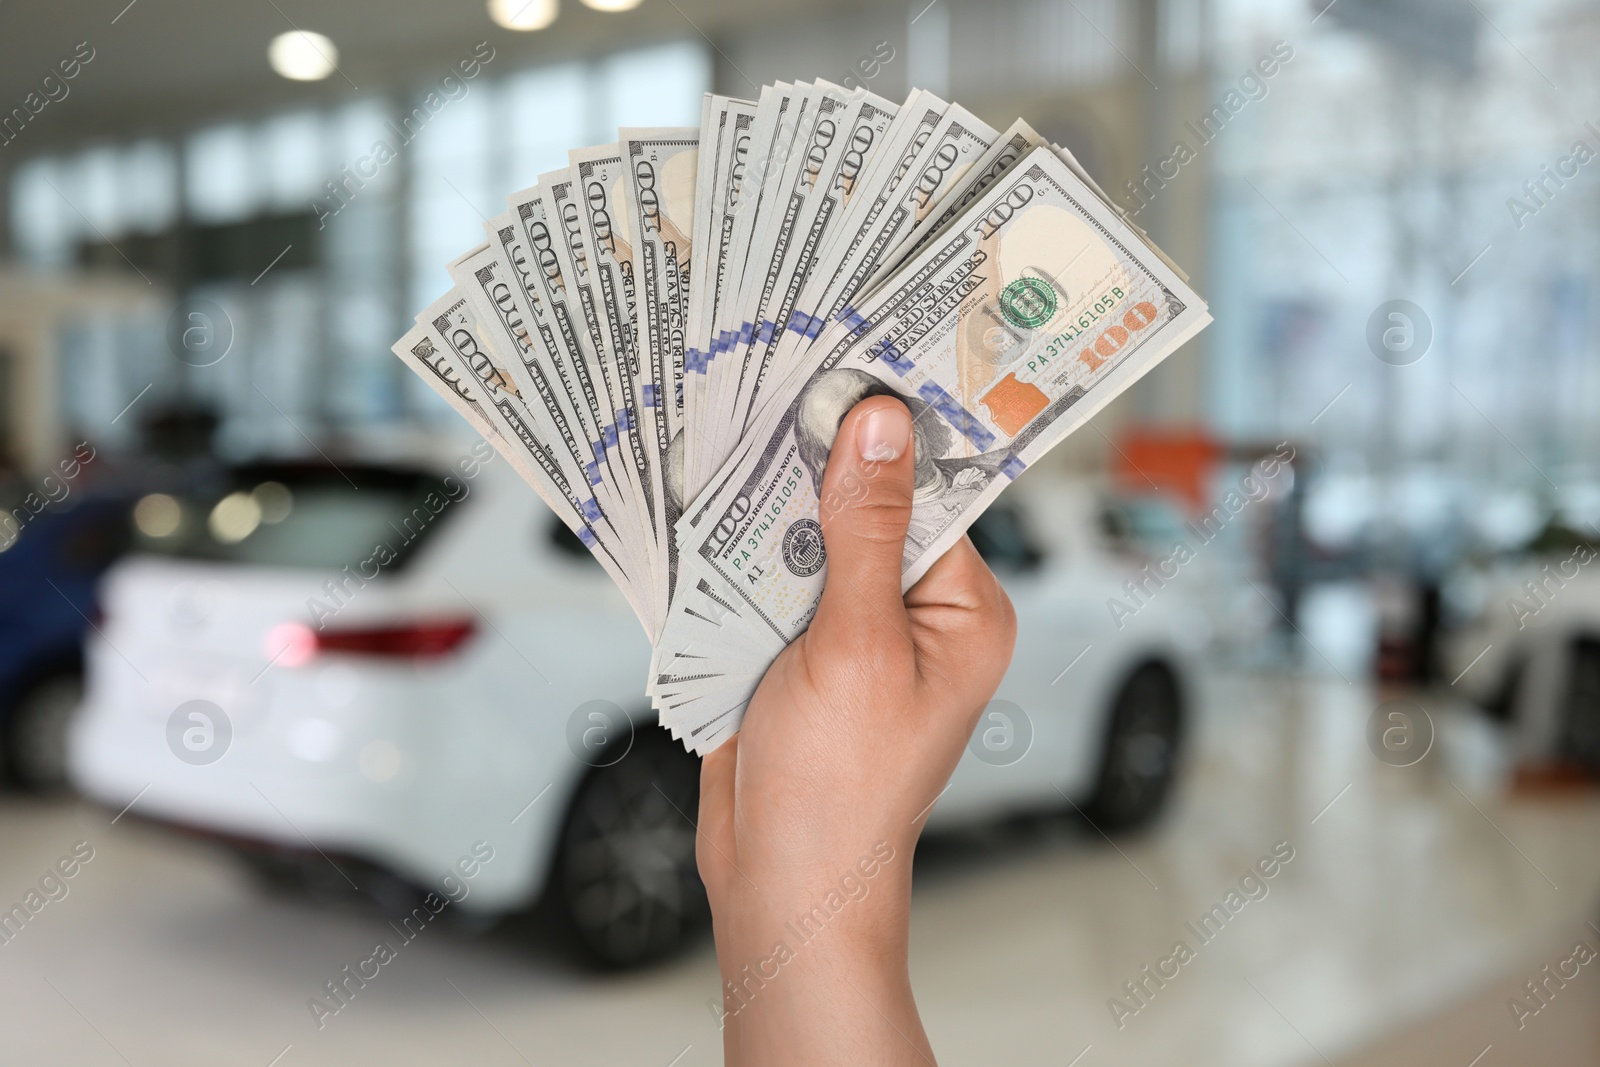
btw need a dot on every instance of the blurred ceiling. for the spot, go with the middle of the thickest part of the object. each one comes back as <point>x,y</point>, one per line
<point>169,64</point>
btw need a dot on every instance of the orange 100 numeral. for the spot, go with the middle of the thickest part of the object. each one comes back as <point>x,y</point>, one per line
<point>1114,338</point>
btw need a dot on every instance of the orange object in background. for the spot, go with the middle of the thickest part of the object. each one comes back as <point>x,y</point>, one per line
<point>1553,778</point>
<point>1176,460</point>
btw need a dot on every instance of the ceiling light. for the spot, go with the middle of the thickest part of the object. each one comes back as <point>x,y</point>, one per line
<point>235,517</point>
<point>523,14</point>
<point>157,515</point>
<point>275,501</point>
<point>303,56</point>
<point>612,5</point>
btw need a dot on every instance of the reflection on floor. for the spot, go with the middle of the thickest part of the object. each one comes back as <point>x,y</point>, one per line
<point>1558,1028</point>
<point>1410,889</point>
<point>1405,907</point>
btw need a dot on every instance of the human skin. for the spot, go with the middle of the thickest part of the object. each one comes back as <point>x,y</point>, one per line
<point>850,738</point>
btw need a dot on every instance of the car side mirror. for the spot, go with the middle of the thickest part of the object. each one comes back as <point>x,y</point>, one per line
<point>1002,539</point>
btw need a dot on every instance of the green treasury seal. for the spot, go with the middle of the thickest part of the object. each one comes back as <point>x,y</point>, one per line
<point>1028,302</point>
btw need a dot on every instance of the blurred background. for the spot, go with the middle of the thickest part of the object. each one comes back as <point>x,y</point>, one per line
<point>1320,586</point>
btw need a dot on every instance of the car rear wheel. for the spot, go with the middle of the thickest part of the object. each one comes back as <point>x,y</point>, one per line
<point>36,733</point>
<point>1140,759</point>
<point>625,879</point>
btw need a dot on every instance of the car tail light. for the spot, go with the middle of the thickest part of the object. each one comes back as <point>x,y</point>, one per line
<point>292,644</point>
<point>415,640</point>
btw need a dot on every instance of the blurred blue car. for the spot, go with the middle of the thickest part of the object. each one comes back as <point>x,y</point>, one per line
<point>48,572</point>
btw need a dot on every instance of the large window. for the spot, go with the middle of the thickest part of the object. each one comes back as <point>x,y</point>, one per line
<point>314,288</point>
<point>1364,175</point>
<point>483,147</point>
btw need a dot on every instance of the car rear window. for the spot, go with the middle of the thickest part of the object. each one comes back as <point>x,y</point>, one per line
<point>300,516</point>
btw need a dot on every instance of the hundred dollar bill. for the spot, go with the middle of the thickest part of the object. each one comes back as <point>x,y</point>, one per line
<point>924,126</point>
<point>775,208</point>
<point>1031,312</point>
<point>663,337</point>
<point>779,117</point>
<point>430,363</point>
<point>1122,213</point>
<point>1011,146</point>
<point>544,269</point>
<point>954,145</point>
<point>846,131</point>
<point>585,295</point>
<point>661,165</point>
<point>485,281</point>
<point>725,133</point>
<point>548,351</point>
<point>927,167</point>
<point>434,349</point>
<point>709,662</point>
<point>908,172</point>
<point>907,136</point>
<point>603,217</point>
<point>461,342</point>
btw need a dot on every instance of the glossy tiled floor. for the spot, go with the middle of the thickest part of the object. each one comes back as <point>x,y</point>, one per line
<point>1415,900</point>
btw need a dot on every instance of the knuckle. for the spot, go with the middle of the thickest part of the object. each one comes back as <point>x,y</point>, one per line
<point>994,609</point>
<point>1008,616</point>
<point>879,524</point>
<point>706,861</point>
<point>879,518</point>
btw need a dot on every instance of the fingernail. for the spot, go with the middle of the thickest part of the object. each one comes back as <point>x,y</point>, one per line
<point>884,434</point>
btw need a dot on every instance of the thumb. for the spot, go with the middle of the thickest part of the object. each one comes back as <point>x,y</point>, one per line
<point>866,508</point>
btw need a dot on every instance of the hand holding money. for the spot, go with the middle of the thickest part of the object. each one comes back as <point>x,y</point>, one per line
<point>665,338</point>
<point>799,799</point>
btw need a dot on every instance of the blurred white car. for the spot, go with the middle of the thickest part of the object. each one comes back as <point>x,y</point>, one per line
<point>1530,651</point>
<point>385,666</point>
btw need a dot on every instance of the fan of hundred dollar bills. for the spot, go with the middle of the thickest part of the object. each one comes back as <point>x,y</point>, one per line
<point>663,337</point>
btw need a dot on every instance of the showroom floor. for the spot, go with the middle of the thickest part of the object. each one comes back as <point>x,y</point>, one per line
<point>1416,902</point>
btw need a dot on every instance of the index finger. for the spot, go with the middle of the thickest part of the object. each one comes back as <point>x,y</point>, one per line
<point>958,579</point>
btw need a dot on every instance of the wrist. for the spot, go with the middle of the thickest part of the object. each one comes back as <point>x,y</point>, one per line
<point>763,937</point>
<point>786,967</point>
<point>820,978</point>
<point>867,896</point>
<point>796,938</point>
